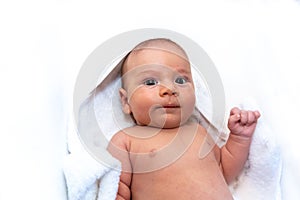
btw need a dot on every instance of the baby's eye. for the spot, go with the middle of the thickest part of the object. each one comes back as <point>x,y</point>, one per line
<point>150,82</point>
<point>180,80</point>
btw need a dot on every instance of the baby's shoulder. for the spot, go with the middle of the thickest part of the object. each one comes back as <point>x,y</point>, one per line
<point>198,127</point>
<point>119,138</point>
<point>125,135</point>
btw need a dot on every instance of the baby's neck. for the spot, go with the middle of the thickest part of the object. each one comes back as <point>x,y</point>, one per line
<point>150,131</point>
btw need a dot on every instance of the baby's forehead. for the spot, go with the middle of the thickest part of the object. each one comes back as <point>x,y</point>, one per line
<point>147,48</point>
<point>153,56</point>
<point>159,69</point>
<point>164,46</point>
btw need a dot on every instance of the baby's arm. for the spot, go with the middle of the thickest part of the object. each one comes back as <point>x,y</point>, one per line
<point>234,154</point>
<point>118,147</point>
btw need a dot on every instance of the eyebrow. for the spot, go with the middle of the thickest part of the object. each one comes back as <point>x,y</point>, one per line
<point>184,70</point>
<point>147,71</point>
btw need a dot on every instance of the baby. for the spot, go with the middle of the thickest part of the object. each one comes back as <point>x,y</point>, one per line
<point>160,154</point>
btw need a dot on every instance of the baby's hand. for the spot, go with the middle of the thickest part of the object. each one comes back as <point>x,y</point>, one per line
<point>242,122</point>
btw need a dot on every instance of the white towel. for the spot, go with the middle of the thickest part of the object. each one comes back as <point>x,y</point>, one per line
<point>95,175</point>
<point>83,175</point>
<point>261,176</point>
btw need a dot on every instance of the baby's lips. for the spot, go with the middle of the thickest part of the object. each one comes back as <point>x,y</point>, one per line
<point>171,106</point>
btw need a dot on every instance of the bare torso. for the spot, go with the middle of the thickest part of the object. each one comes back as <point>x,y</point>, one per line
<point>167,165</point>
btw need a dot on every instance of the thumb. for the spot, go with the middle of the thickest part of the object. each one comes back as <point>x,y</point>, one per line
<point>233,119</point>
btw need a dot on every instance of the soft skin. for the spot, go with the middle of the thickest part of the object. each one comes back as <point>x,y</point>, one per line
<point>158,92</point>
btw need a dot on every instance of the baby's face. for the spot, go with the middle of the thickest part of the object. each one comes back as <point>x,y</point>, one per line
<point>159,88</point>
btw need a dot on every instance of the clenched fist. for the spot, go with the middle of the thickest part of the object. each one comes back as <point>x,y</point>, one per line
<point>242,122</point>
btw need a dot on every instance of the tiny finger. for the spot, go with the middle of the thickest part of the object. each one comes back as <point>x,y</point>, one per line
<point>235,111</point>
<point>244,117</point>
<point>234,119</point>
<point>251,117</point>
<point>257,114</point>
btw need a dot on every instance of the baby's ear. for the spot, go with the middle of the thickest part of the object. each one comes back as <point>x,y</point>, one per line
<point>124,101</point>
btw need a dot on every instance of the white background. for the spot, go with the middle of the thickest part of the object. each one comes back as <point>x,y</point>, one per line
<point>254,44</point>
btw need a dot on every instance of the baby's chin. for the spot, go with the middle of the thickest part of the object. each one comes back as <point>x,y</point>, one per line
<point>169,124</point>
<point>166,126</point>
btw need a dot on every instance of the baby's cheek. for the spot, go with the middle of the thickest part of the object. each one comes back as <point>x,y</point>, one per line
<point>188,107</point>
<point>191,101</point>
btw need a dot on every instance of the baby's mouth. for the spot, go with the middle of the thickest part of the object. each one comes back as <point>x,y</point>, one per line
<point>171,106</point>
<point>167,106</point>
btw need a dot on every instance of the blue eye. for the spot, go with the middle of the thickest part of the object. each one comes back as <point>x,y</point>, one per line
<point>150,82</point>
<point>180,80</point>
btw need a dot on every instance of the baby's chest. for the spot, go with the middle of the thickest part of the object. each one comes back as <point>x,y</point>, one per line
<point>157,153</point>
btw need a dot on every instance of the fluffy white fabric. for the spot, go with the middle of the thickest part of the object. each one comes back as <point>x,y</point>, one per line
<point>90,179</point>
<point>261,177</point>
<point>83,175</point>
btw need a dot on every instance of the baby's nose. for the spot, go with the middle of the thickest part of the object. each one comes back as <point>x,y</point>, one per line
<point>168,91</point>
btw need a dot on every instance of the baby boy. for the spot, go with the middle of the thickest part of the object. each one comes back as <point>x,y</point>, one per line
<point>160,154</point>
